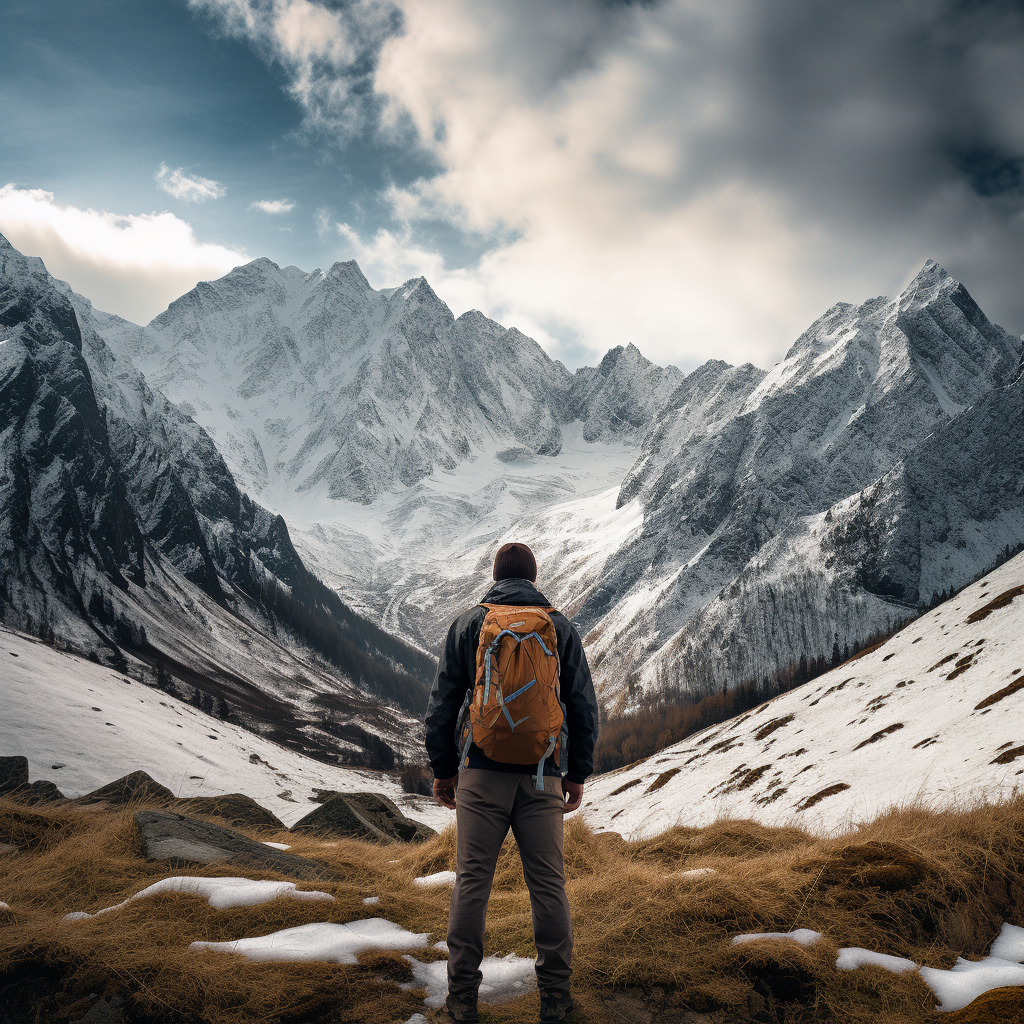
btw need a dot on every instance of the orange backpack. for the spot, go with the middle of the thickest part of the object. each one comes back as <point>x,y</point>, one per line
<point>516,715</point>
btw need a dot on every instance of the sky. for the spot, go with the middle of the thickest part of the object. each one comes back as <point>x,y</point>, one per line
<point>700,179</point>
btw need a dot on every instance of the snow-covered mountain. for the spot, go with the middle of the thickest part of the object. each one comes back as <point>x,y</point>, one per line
<point>319,385</point>
<point>397,441</point>
<point>702,530</point>
<point>741,468</point>
<point>933,716</point>
<point>123,533</point>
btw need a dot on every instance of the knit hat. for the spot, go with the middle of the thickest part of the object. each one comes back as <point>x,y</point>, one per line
<point>515,562</point>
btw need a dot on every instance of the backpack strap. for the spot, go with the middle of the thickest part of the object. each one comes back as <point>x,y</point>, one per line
<point>538,782</point>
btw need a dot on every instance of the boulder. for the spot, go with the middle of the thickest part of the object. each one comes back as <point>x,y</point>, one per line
<point>38,792</point>
<point>13,773</point>
<point>367,816</point>
<point>184,840</point>
<point>136,788</point>
<point>235,808</point>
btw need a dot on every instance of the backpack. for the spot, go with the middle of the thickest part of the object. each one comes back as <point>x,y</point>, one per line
<point>514,713</point>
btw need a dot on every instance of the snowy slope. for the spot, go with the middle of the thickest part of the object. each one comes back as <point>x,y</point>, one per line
<point>83,725</point>
<point>936,714</point>
<point>738,457</point>
<point>122,532</point>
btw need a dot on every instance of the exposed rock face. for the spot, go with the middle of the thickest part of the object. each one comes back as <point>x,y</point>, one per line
<point>134,788</point>
<point>38,792</point>
<point>234,808</point>
<point>363,816</point>
<point>66,526</point>
<point>185,840</point>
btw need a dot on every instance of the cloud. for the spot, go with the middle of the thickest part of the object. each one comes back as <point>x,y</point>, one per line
<point>327,51</point>
<point>322,223</point>
<point>272,205</point>
<point>186,188</point>
<point>132,265</point>
<point>700,179</point>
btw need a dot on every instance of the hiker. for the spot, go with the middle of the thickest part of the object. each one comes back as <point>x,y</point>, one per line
<point>517,757</point>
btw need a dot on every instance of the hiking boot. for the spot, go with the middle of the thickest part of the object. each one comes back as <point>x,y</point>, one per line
<point>554,1006</point>
<point>463,1009</point>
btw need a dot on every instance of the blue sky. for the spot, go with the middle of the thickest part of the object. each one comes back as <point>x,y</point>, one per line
<point>700,179</point>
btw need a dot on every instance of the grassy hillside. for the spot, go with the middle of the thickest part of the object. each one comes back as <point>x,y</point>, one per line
<point>653,942</point>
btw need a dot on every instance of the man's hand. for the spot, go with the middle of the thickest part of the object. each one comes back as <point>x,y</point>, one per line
<point>573,792</point>
<point>444,791</point>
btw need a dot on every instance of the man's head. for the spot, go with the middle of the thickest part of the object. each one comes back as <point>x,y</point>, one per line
<point>515,562</point>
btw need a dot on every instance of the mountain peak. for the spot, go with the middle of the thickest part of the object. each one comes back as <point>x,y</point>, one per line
<point>349,272</point>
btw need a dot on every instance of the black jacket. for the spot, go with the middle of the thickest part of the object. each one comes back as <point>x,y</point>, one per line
<point>456,673</point>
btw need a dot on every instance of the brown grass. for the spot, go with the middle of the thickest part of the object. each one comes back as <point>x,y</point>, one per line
<point>649,941</point>
<point>995,604</point>
<point>1006,691</point>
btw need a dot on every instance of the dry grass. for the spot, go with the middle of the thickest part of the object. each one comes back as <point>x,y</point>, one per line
<point>649,940</point>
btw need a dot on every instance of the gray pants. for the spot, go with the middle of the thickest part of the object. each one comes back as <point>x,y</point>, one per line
<point>487,805</point>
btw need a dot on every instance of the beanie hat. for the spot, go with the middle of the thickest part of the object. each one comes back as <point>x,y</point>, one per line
<point>515,562</point>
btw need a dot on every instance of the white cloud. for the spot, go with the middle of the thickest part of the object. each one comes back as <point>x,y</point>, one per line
<point>700,179</point>
<point>686,176</point>
<point>188,188</point>
<point>322,223</point>
<point>322,49</point>
<point>132,265</point>
<point>272,205</point>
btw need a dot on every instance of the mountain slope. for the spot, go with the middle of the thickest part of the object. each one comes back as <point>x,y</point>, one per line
<point>123,533</point>
<point>318,384</point>
<point>397,441</point>
<point>738,457</point>
<point>933,715</point>
<point>79,725</point>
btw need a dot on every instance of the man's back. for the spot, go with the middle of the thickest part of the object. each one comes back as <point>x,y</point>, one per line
<point>491,795</point>
<point>456,673</point>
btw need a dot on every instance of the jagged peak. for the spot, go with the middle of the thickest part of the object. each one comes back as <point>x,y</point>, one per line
<point>348,271</point>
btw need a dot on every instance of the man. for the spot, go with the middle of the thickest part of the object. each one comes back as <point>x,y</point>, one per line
<point>491,795</point>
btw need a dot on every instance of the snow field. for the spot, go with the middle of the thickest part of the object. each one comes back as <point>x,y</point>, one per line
<point>955,988</point>
<point>98,725</point>
<point>931,717</point>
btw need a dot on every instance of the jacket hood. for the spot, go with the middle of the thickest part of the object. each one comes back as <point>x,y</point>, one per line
<point>515,592</point>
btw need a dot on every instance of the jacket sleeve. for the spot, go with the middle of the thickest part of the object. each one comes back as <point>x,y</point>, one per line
<point>455,671</point>
<point>577,688</point>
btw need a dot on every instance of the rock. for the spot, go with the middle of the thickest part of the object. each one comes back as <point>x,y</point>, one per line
<point>235,808</point>
<point>175,837</point>
<point>137,787</point>
<point>13,773</point>
<point>363,816</point>
<point>104,1011</point>
<point>38,792</point>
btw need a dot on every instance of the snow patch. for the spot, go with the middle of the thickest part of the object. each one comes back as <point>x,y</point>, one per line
<point>220,893</point>
<point>852,957</point>
<point>340,943</point>
<point>437,879</point>
<point>805,936</point>
<point>505,978</point>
